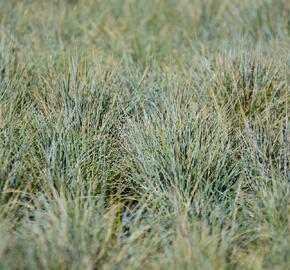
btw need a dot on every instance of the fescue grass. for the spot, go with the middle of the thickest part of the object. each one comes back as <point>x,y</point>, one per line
<point>144,134</point>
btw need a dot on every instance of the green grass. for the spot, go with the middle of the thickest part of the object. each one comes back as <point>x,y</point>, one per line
<point>144,134</point>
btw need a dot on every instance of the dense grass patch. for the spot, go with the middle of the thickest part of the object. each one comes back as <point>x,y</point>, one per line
<point>144,134</point>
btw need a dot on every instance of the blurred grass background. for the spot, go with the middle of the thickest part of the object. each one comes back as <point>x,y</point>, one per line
<point>144,134</point>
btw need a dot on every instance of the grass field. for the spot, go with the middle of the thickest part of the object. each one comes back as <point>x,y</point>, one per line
<point>142,134</point>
